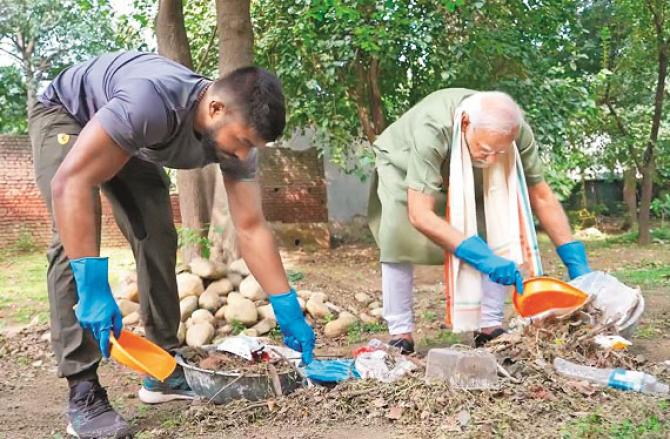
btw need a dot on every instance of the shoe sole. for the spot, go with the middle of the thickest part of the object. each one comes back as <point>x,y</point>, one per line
<point>70,430</point>
<point>149,397</point>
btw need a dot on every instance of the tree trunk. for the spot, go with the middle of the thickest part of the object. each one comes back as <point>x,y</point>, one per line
<point>235,50</point>
<point>171,33</point>
<point>376,97</point>
<point>645,204</point>
<point>236,39</point>
<point>649,160</point>
<point>195,186</point>
<point>630,198</point>
<point>362,96</point>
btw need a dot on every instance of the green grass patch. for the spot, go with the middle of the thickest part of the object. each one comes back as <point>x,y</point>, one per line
<point>238,327</point>
<point>23,283</point>
<point>659,235</point>
<point>595,425</point>
<point>294,276</point>
<point>442,338</point>
<point>429,316</point>
<point>652,274</point>
<point>356,332</point>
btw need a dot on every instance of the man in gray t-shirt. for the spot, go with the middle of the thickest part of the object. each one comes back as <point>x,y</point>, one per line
<point>111,124</point>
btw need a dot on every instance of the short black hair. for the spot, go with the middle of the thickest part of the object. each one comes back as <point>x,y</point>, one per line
<point>258,94</point>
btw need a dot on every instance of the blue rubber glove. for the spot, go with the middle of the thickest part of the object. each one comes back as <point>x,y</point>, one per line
<point>97,310</point>
<point>298,335</point>
<point>573,255</point>
<point>477,253</point>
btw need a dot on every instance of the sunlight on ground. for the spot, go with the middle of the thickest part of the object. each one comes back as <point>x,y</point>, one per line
<point>23,284</point>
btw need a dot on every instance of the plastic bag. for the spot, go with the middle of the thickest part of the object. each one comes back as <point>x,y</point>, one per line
<point>380,361</point>
<point>618,303</point>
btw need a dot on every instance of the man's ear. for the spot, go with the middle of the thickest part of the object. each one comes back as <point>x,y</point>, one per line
<point>465,121</point>
<point>216,108</point>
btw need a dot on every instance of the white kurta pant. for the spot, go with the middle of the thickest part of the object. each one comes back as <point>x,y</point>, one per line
<point>398,299</point>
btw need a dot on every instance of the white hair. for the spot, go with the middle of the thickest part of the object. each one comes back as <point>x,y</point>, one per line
<point>493,110</point>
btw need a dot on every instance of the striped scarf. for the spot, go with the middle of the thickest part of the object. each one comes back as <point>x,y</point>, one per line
<point>510,231</point>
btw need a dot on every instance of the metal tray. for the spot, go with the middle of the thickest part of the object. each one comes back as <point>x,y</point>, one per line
<point>222,387</point>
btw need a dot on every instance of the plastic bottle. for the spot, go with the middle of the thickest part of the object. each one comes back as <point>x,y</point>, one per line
<point>621,379</point>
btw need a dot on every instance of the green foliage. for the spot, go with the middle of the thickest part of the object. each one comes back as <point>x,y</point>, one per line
<point>660,206</point>
<point>595,425</point>
<point>294,276</point>
<point>200,23</point>
<point>429,316</point>
<point>42,37</point>
<point>442,338</point>
<point>238,327</point>
<point>13,117</point>
<point>652,275</point>
<point>25,242</point>
<point>357,331</point>
<point>188,236</point>
<point>320,48</point>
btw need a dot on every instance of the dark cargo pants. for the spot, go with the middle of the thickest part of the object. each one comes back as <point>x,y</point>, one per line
<point>140,200</point>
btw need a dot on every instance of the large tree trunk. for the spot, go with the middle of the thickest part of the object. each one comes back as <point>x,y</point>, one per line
<point>235,50</point>
<point>195,186</point>
<point>649,160</point>
<point>630,198</point>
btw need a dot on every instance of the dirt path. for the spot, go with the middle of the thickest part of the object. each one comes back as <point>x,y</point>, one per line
<point>33,401</point>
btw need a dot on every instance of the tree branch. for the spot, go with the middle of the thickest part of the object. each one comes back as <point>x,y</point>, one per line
<point>13,55</point>
<point>210,43</point>
<point>621,126</point>
<point>658,21</point>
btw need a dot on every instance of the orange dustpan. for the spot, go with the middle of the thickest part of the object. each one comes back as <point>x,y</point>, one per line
<point>141,355</point>
<point>542,294</point>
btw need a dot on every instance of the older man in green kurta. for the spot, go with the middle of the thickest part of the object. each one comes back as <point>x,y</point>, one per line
<point>408,200</point>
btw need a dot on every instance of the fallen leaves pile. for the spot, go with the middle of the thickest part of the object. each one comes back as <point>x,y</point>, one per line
<point>532,397</point>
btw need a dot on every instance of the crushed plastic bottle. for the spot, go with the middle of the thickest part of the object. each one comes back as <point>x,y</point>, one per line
<point>621,379</point>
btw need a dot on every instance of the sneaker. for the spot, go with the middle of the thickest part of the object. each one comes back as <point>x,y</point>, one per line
<point>406,346</point>
<point>174,387</point>
<point>91,415</point>
<point>481,338</point>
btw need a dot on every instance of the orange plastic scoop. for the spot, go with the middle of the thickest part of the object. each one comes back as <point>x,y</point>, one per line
<point>141,355</point>
<point>544,293</point>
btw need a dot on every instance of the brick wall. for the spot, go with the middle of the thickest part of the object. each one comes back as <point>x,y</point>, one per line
<point>294,186</point>
<point>294,191</point>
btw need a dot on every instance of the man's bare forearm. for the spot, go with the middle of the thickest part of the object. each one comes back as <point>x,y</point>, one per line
<point>258,248</point>
<point>423,218</point>
<point>549,211</point>
<point>93,159</point>
<point>76,218</point>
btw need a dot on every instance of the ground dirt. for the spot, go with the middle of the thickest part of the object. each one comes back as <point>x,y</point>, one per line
<point>33,401</point>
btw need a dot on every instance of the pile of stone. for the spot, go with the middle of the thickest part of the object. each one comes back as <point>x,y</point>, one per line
<point>217,300</point>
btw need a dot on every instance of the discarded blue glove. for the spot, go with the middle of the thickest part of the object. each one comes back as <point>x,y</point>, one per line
<point>573,255</point>
<point>331,371</point>
<point>97,310</point>
<point>298,335</point>
<point>477,253</point>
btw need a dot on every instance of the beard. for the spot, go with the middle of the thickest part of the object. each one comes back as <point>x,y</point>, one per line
<point>213,150</point>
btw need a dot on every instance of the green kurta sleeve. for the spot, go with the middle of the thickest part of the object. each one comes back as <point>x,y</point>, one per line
<point>428,150</point>
<point>530,155</point>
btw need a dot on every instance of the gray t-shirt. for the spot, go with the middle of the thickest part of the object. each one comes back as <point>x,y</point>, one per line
<point>146,103</point>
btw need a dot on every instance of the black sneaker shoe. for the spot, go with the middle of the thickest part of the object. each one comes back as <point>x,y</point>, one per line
<point>174,387</point>
<point>481,338</point>
<point>406,346</point>
<point>91,415</point>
